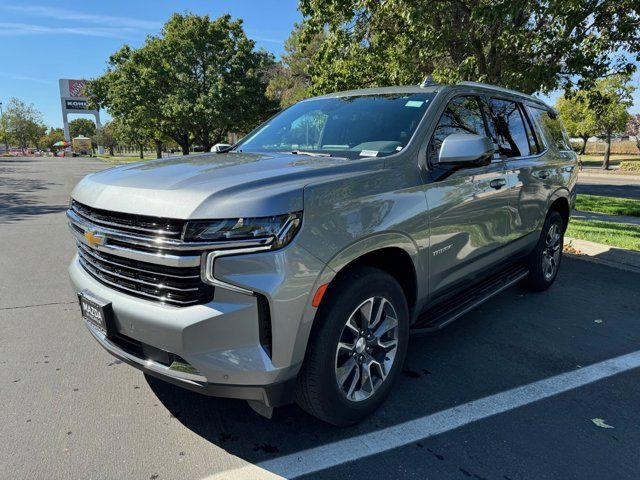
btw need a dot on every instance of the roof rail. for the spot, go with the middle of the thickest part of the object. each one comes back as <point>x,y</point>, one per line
<point>428,82</point>
<point>500,89</point>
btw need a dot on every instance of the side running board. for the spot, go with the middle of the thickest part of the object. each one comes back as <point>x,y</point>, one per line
<point>442,314</point>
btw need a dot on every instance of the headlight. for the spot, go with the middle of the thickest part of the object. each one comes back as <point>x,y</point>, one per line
<point>267,233</point>
<point>280,228</point>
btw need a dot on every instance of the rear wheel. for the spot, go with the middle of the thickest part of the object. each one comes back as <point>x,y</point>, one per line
<point>544,261</point>
<point>356,348</point>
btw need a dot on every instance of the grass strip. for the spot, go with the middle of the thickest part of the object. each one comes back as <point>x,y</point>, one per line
<point>608,205</point>
<point>622,235</point>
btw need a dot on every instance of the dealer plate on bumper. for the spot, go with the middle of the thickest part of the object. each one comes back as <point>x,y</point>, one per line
<point>96,312</point>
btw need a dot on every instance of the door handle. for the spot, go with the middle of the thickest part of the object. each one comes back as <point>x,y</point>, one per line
<point>498,183</point>
<point>543,174</point>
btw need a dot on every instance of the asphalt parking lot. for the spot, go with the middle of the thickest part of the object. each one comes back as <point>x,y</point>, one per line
<point>503,384</point>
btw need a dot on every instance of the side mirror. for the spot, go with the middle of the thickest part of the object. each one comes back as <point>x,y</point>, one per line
<point>466,150</point>
<point>220,147</point>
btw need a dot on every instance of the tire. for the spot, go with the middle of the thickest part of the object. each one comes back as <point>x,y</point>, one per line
<point>348,299</point>
<point>544,261</point>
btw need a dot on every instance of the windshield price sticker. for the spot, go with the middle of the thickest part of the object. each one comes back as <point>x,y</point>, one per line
<point>369,153</point>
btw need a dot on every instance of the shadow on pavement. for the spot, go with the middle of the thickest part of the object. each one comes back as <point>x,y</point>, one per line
<point>19,198</point>
<point>623,191</point>
<point>513,339</point>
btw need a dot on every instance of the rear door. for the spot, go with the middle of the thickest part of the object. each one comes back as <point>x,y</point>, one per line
<point>518,147</point>
<point>531,169</point>
<point>467,208</point>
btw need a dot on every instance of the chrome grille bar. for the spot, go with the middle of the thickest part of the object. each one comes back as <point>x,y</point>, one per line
<point>146,256</point>
<point>157,286</point>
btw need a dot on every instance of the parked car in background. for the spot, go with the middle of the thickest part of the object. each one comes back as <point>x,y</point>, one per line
<point>294,266</point>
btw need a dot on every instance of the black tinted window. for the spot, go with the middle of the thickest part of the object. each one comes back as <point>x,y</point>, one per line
<point>510,131</point>
<point>462,115</point>
<point>552,128</point>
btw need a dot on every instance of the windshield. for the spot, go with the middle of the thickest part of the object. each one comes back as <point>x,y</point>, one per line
<point>352,127</point>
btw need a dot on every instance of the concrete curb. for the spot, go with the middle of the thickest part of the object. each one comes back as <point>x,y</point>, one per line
<point>604,254</point>
<point>608,176</point>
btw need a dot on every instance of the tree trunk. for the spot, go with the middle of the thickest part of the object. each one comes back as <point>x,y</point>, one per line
<point>141,152</point>
<point>158,149</point>
<point>607,152</point>
<point>638,140</point>
<point>184,146</point>
<point>111,151</point>
<point>584,145</point>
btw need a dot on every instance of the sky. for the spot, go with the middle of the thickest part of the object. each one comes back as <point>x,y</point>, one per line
<point>41,42</point>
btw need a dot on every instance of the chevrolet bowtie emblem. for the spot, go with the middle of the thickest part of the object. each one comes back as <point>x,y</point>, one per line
<point>94,238</point>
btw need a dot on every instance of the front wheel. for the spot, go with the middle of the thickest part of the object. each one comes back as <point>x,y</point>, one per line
<point>356,348</point>
<point>544,261</point>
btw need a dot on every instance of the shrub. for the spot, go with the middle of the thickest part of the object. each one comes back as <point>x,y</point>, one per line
<point>624,148</point>
<point>632,166</point>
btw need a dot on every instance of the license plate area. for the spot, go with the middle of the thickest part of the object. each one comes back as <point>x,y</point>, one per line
<point>96,312</point>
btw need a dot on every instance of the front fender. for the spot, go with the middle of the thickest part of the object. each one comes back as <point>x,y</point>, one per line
<point>343,258</point>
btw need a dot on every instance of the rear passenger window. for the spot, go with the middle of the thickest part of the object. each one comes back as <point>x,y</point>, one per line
<point>462,115</point>
<point>552,128</point>
<point>510,130</point>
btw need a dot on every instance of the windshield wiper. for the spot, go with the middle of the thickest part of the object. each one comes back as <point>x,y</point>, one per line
<point>312,154</point>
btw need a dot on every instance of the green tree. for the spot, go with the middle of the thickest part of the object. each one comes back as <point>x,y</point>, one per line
<point>107,136</point>
<point>24,123</point>
<point>290,80</point>
<point>82,126</point>
<point>633,128</point>
<point>5,134</point>
<point>196,81</point>
<point>523,44</point>
<point>610,100</point>
<point>577,116</point>
<point>52,136</point>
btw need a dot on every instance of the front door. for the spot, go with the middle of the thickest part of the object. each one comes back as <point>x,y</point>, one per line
<point>468,208</point>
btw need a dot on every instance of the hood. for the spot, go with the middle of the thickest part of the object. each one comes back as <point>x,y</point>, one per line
<point>223,185</point>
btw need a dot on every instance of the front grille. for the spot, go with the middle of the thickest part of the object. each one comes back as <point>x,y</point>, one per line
<point>124,263</point>
<point>179,286</point>
<point>138,224</point>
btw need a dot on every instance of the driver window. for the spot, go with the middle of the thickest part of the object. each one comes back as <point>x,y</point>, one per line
<point>462,115</point>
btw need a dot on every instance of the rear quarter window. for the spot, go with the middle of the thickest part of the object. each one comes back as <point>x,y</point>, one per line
<point>552,129</point>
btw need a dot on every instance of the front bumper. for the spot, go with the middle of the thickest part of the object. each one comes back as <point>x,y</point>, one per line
<point>221,339</point>
<point>272,395</point>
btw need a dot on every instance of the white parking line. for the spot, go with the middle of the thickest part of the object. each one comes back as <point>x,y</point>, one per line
<point>355,448</point>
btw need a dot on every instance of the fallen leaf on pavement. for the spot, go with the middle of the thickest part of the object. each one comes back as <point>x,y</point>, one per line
<point>600,423</point>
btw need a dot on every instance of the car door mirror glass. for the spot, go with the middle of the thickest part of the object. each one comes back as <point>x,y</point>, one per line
<point>466,150</point>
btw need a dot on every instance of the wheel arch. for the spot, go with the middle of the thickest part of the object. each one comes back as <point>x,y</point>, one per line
<point>559,201</point>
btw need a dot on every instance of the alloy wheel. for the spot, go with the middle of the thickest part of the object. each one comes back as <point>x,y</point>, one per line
<point>367,349</point>
<point>551,252</point>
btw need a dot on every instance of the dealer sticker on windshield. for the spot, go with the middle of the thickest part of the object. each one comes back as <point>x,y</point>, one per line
<point>414,103</point>
<point>369,153</point>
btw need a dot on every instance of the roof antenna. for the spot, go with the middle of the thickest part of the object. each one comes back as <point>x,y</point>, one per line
<point>428,82</point>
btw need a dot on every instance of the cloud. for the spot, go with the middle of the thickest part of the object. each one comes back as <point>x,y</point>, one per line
<point>8,29</point>
<point>26,78</point>
<point>76,16</point>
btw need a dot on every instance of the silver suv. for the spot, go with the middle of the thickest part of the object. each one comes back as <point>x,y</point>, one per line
<point>294,265</point>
